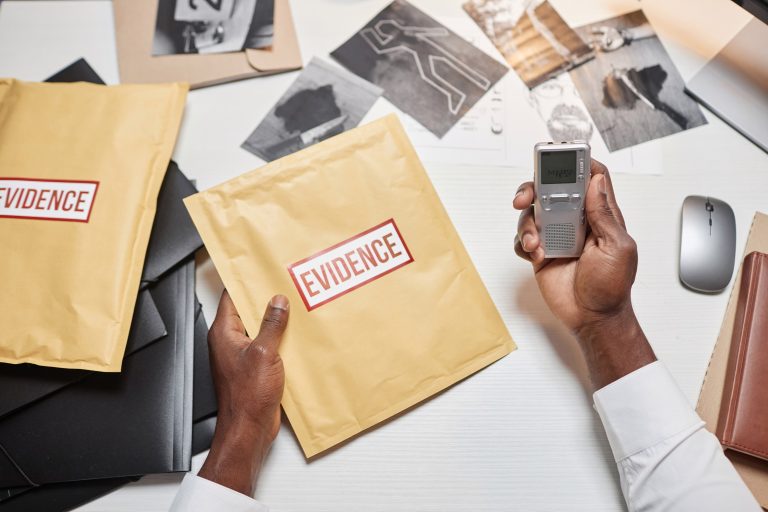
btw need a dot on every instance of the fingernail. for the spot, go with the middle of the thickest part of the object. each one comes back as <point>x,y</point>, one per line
<point>279,302</point>
<point>526,241</point>
<point>601,185</point>
<point>518,193</point>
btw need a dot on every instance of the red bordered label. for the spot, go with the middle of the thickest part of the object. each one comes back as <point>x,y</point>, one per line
<point>350,264</point>
<point>23,198</point>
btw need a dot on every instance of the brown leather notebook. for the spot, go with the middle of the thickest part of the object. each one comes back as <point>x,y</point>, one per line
<point>743,422</point>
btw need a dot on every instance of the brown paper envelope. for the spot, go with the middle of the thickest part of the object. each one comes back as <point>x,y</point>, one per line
<point>754,473</point>
<point>134,31</point>
<point>385,344</point>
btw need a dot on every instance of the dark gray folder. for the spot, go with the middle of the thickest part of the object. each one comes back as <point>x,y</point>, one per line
<point>60,497</point>
<point>114,424</point>
<point>21,384</point>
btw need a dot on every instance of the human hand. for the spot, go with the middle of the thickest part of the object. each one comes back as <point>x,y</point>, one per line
<point>248,377</point>
<point>591,294</point>
<point>598,283</point>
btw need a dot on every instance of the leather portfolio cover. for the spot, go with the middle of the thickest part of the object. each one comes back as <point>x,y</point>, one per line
<point>743,424</point>
<point>753,471</point>
<point>134,30</point>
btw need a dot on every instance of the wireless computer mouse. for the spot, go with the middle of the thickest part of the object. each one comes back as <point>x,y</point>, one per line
<point>707,244</point>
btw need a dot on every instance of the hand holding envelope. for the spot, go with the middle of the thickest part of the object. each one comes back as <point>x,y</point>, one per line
<point>249,378</point>
<point>386,301</point>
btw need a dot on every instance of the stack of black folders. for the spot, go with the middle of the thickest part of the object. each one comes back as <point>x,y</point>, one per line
<point>70,436</point>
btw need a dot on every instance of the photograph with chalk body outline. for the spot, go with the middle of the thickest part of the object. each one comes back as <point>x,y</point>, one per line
<point>424,69</point>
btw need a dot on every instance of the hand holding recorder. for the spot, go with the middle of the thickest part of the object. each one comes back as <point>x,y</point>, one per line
<point>597,284</point>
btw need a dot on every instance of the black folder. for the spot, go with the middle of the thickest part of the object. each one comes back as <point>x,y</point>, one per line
<point>110,425</point>
<point>173,237</point>
<point>78,71</point>
<point>61,497</point>
<point>204,403</point>
<point>21,384</point>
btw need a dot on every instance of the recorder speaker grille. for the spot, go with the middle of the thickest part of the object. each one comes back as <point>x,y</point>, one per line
<point>559,237</point>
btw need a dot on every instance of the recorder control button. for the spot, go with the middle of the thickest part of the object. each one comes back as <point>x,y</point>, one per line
<point>559,198</point>
<point>575,198</point>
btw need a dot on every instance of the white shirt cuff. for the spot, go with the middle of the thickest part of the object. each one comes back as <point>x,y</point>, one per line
<point>197,494</point>
<point>643,409</point>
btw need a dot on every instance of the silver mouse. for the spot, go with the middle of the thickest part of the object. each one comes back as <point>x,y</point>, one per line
<point>707,244</point>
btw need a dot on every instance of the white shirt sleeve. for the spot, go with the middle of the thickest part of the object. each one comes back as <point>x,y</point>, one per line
<point>197,494</point>
<point>667,460</point>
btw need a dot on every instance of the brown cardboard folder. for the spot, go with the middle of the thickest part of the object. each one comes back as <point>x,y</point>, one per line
<point>134,30</point>
<point>753,471</point>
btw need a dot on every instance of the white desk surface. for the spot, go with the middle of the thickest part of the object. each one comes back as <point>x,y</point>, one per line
<point>521,434</point>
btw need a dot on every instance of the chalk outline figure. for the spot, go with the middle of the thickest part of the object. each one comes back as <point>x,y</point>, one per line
<point>381,40</point>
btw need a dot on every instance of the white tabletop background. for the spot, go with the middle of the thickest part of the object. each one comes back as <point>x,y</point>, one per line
<point>521,434</point>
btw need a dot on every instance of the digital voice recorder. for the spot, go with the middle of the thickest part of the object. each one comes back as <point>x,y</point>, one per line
<point>561,180</point>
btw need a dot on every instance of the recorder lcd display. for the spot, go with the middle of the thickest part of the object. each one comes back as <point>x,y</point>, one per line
<point>558,167</point>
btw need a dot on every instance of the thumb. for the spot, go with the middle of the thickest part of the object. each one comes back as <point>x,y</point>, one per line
<point>602,219</point>
<point>274,322</point>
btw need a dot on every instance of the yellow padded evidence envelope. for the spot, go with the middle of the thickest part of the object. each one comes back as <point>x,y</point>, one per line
<point>80,169</point>
<point>387,309</point>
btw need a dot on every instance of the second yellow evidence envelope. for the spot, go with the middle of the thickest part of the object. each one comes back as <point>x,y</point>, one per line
<point>387,309</point>
<point>80,170</point>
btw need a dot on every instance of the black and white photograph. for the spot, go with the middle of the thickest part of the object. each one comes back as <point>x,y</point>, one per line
<point>631,88</point>
<point>212,26</point>
<point>323,101</point>
<point>531,36</point>
<point>425,69</point>
<point>559,105</point>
